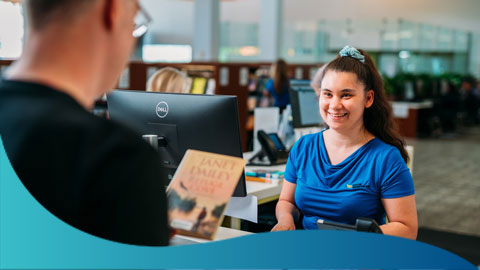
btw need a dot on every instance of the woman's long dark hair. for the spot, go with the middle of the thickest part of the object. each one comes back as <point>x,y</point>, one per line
<point>280,76</point>
<point>378,118</point>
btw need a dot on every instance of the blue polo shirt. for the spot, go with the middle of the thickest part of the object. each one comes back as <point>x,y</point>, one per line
<point>351,189</point>
<point>279,100</point>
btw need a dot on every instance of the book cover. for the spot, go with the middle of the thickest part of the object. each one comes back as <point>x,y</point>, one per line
<point>199,85</point>
<point>200,191</point>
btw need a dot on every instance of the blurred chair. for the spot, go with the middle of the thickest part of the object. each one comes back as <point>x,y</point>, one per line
<point>410,151</point>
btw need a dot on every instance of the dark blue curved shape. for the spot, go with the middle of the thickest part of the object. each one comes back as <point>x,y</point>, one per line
<point>32,238</point>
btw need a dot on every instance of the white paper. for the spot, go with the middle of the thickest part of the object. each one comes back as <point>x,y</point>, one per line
<point>210,87</point>
<point>266,119</point>
<point>243,207</point>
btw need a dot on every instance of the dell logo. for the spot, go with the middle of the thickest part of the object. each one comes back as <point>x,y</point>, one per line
<point>162,109</point>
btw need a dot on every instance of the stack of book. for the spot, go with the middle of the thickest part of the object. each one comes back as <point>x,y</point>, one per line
<point>264,176</point>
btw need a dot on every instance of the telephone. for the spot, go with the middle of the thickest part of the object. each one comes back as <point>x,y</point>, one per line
<point>362,224</point>
<point>272,148</point>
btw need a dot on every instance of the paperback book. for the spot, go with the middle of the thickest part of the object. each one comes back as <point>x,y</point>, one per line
<point>200,191</point>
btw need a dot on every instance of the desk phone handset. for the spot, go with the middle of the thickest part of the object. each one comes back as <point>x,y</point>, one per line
<point>272,148</point>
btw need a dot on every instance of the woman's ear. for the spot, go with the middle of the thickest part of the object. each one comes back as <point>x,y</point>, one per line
<point>109,14</point>
<point>369,99</point>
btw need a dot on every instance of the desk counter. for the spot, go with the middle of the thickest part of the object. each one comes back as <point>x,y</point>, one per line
<point>222,234</point>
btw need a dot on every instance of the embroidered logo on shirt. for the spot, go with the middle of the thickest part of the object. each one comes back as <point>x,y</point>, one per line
<point>357,186</point>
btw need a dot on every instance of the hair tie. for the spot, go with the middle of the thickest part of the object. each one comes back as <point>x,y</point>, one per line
<point>352,52</point>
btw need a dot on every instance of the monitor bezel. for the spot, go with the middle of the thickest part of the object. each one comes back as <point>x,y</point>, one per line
<point>295,105</point>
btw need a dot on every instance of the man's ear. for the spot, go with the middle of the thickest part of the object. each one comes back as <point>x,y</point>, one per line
<point>369,96</point>
<point>109,13</point>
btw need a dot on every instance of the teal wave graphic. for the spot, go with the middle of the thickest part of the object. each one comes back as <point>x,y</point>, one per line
<point>32,238</point>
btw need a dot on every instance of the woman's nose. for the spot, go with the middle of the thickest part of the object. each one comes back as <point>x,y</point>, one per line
<point>335,103</point>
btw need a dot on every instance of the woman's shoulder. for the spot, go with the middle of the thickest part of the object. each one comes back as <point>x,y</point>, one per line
<point>308,140</point>
<point>384,150</point>
<point>269,83</point>
<point>269,86</point>
<point>305,146</point>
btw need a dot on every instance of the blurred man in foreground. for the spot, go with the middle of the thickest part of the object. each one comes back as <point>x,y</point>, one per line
<point>94,174</point>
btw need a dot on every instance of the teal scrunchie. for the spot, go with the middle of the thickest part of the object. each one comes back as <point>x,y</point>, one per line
<point>352,52</point>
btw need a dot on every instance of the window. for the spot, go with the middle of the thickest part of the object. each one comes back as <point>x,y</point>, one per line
<point>11,29</point>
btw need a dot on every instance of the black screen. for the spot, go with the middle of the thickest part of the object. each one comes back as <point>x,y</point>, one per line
<point>276,140</point>
<point>202,122</point>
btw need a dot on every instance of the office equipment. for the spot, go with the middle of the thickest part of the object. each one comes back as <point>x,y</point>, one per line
<point>304,102</point>
<point>276,140</point>
<point>266,119</point>
<point>272,148</point>
<point>181,121</point>
<point>362,225</point>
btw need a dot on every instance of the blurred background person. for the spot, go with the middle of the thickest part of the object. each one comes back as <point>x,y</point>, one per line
<point>316,82</point>
<point>449,103</point>
<point>469,100</point>
<point>168,79</point>
<point>278,85</point>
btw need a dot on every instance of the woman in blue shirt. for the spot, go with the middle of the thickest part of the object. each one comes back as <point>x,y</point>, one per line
<point>279,85</point>
<point>357,167</point>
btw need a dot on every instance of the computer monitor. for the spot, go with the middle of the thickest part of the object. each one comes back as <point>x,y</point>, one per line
<point>203,122</point>
<point>304,102</point>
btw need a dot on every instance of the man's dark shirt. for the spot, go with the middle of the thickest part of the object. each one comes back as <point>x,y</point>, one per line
<point>92,173</point>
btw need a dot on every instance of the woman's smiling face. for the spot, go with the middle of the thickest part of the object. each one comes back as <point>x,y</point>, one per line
<point>343,100</point>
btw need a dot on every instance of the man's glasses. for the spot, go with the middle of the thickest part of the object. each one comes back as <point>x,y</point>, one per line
<point>142,20</point>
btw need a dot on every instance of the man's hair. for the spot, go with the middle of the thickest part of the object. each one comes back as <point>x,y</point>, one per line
<point>40,13</point>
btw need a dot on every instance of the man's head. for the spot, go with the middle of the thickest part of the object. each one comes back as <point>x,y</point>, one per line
<point>41,13</point>
<point>95,35</point>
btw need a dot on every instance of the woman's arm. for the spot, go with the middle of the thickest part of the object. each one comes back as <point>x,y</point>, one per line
<point>286,211</point>
<point>402,217</point>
